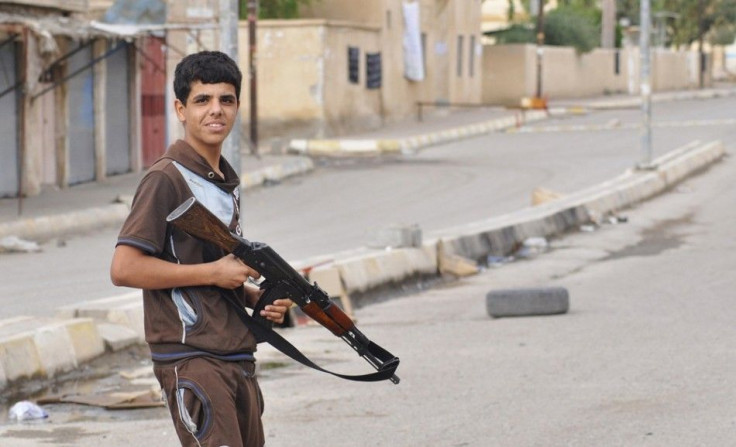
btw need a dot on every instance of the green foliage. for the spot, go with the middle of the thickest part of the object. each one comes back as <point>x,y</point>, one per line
<point>573,26</point>
<point>574,23</point>
<point>516,33</point>
<point>723,35</point>
<point>274,9</point>
<point>708,18</point>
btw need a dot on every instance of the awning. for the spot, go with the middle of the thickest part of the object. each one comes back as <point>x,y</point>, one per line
<point>126,30</point>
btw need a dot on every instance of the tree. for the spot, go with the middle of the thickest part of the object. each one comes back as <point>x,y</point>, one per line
<point>274,9</point>
<point>575,26</point>
<point>573,23</point>
<point>697,19</point>
<point>707,16</point>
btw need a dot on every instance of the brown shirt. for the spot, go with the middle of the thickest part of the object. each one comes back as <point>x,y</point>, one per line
<point>187,321</point>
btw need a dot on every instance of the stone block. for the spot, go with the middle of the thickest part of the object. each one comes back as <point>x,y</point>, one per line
<point>527,302</point>
<point>55,349</point>
<point>117,337</point>
<point>85,339</point>
<point>19,357</point>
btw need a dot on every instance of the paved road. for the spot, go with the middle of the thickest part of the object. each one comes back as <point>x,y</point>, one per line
<point>337,207</point>
<point>643,358</point>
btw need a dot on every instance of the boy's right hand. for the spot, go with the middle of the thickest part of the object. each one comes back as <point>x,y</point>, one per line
<point>229,272</point>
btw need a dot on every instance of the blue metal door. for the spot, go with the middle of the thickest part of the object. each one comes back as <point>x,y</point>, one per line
<point>117,112</point>
<point>81,118</point>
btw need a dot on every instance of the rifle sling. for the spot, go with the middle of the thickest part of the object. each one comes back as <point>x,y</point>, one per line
<point>267,334</point>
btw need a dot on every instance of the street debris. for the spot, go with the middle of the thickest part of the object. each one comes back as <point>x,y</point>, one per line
<point>498,261</point>
<point>532,247</point>
<point>617,219</point>
<point>14,244</point>
<point>25,411</point>
<point>116,400</point>
<point>597,221</point>
<point>543,195</point>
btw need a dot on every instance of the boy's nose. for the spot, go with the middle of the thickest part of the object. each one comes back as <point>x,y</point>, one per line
<point>216,107</point>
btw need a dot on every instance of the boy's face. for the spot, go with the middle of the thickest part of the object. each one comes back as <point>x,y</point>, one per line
<point>208,115</point>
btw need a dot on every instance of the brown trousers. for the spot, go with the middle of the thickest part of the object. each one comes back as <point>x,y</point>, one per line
<point>213,403</point>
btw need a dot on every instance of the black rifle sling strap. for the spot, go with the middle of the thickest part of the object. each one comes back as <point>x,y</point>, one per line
<point>267,334</point>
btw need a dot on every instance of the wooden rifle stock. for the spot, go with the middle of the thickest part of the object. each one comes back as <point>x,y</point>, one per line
<point>281,281</point>
<point>193,218</point>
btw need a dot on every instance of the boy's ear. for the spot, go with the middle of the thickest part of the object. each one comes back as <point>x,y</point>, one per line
<point>179,107</point>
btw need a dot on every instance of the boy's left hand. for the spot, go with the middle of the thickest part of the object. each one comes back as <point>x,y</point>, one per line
<point>276,311</point>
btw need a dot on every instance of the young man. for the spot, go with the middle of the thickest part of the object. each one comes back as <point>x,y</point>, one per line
<point>202,353</point>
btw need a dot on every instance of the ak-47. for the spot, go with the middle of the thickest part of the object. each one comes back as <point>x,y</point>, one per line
<point>282,281</point>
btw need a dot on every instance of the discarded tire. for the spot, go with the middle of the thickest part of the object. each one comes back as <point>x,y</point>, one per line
<point>530,301</point>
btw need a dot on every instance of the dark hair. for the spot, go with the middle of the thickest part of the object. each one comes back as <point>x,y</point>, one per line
<point>207,67</point>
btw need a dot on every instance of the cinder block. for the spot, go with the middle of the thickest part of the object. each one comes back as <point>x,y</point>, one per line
<point>527,301</point>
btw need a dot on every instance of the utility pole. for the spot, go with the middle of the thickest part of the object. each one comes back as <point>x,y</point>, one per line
<point>252,73</point>
<point>540,47</point>
<point>229,46</point>
<point>701,53</point>
<point>608,22</point>
<point>646,88</point>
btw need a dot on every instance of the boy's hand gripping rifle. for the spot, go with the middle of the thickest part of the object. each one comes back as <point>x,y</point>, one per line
<point>282,281</point>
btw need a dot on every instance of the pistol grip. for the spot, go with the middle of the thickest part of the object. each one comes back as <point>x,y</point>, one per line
<point>271,293</point>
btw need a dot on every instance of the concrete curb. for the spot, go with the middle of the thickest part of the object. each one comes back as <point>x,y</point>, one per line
<point>44,228</point>
<point>276,173</point>
<point>661,97</point>
<point>408,145</point>
<point>43,348</point>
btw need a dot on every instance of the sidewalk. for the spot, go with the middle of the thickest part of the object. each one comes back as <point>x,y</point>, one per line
<point>33,348</point>
<point>74,210</point>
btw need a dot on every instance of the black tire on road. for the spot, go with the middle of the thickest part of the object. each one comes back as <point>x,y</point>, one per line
<point>527,301</point>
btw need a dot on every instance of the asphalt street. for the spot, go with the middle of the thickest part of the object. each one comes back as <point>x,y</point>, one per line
<point>643,358</point>
<point>341,204</point>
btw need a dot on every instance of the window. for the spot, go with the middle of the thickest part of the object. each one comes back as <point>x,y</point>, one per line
<point>459,56</point>
<point>471,55</point>
<point>424,52</point>
<point>373,70</point>
<point>617,63</point>
<point>354,65</point>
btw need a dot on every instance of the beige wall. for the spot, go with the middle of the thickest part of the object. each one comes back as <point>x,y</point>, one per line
<point>442,21</point>
<point>349,107</point>
<point>466,18</point>
<point>302,78</point>
<point>510,72</point>
<point>507,73</point>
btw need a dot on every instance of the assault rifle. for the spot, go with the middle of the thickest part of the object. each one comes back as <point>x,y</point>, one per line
<point>282,281</point>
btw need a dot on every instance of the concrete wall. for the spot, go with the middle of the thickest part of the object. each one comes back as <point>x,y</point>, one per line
<point>442,22</point>
<point>510,72</point>
<point>302,72</point>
